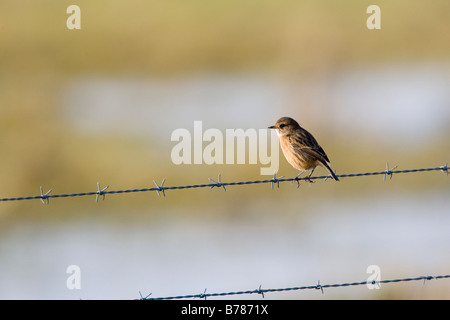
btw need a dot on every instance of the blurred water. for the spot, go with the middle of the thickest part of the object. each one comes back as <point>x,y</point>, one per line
<point>336,242</point>
<point>406,103</point>
<point>157,107</point>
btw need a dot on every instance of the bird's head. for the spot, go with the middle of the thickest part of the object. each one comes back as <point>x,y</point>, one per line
<point>285,126</point>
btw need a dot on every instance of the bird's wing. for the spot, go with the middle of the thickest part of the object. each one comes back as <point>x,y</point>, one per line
<point>305,142</point>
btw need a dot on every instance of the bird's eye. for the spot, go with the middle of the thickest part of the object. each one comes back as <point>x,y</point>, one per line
<point>282,126</point>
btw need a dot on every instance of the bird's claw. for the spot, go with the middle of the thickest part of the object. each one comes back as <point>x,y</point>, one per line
<point>309,180</point>
<point>296,179</point>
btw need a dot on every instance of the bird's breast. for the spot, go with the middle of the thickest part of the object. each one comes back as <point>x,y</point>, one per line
<point>296,158</point>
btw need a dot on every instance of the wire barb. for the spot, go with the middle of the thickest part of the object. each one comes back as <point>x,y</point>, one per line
<point>388,171</point>
<point>203,295</point>
<point>275,179</point>
<point>444,169</point>
<point>329,176</point>
<point>146,297</point>
<point>319,286</point>
<point>160,187</point>
<point>100,192</point>
<point>217,183</point>
<point>44,196</point>
<point>260,291</point>
<point>427,277</point>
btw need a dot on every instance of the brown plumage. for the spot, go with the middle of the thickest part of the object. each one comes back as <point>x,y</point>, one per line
<point>300,147</point>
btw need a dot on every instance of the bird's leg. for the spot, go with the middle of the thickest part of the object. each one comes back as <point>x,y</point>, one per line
<point>296,178</point>
<point>310,174</point>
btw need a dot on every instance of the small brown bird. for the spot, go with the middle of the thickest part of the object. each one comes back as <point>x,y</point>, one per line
<point>300,148</point>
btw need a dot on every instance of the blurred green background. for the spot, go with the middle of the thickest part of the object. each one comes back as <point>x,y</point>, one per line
<point>99,104</point>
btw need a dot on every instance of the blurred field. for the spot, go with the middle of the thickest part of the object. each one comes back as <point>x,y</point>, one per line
<point>168,39</point>
<point>297,43</point>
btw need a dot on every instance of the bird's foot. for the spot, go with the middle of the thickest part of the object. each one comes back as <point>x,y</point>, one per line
<point>309,179</point>
<point>296,179</point>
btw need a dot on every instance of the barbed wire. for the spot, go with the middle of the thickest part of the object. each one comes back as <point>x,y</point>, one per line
<point>317,286</point>
<point>44,197</point>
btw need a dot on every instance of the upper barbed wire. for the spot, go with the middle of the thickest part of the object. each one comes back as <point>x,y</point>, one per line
<point>44,197</point>
<point>317,286</point>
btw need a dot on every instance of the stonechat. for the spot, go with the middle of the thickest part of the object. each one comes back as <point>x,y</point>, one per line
<point>300,147</point>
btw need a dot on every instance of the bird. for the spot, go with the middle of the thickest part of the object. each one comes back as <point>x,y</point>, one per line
<point>300,148</point>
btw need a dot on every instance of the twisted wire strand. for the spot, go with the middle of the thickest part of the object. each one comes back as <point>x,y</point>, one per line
<point>318,286</point>
<point>158,188</point>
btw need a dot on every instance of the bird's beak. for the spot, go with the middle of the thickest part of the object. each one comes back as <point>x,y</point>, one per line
<point>271,127</point>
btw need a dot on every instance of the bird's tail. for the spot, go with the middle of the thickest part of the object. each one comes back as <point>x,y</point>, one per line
<point>331,171</point>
